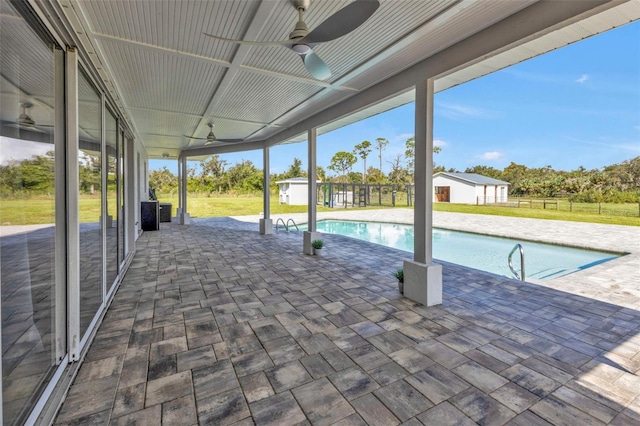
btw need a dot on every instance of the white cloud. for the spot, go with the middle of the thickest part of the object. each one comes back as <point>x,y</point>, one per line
<point>460,111</point>
<point>401,138</point>
<point>583,78</point>
<point>629,147</point>
<point>439,142</point>
<point>491,155</point>
<point>624,145</point>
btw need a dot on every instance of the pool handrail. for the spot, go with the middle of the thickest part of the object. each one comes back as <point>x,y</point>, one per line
<point>521,249</point>
<point>286,225</point>
<point>293,223</point>
<point>283,224</point>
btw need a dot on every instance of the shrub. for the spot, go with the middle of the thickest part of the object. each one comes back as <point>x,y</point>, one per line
<point>398,274</point>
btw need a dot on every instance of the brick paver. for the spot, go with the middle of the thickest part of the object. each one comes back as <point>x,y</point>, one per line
<point>216,324</point>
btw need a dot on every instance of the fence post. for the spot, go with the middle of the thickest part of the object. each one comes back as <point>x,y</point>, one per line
<point>544,204</point>
<point>393,195</point>
<point>518,198</point>
<point>600,207</point>
<point>367,201</point>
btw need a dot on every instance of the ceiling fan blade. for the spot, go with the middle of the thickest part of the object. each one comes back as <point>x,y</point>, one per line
<point>342,22</point>
<point>191,137</point>
<point>285,43</point>
<point>30,128</point>
<point>316,66</point>
<point>224,141</point>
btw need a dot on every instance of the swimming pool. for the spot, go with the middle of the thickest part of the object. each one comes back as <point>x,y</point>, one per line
<point>484,252</point>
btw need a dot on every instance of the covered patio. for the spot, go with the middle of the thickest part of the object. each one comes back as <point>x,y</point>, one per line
<point>220,322</point>
<point>215,325</point>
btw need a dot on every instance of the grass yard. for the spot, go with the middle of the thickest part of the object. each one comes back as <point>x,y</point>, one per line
<point>40,210</point>
<point>591,216</point>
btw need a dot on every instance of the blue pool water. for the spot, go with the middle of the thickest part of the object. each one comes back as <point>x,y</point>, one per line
<point>484,252</point>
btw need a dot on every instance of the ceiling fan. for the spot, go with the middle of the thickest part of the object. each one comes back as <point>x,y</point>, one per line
<point>211,137</point>
<point>24,120</point>
<point>302,42</point>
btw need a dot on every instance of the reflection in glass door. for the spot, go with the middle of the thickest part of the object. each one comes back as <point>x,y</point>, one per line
<point>112,219</point>
<point>27,215</point>
<point>90,200</point>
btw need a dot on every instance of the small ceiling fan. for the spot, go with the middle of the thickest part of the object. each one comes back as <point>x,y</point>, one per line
<point>24,120</point>
<point>211,137</point>
<point>302,42</point>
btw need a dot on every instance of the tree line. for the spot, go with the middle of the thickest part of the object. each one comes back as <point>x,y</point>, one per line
<point>214,175</point>
<point>614,183</point>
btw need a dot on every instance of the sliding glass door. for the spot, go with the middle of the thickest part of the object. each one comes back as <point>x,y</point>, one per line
<point>112,217</point>
<point>28,193</point>
<point>90,159</point>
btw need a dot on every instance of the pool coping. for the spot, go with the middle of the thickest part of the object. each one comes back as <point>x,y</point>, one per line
<point>616,281</point>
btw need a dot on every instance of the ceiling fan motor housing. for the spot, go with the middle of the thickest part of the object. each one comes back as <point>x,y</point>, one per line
<point>301,4</point>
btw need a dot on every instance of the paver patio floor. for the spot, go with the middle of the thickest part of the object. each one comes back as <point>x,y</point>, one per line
<point>219,325</point>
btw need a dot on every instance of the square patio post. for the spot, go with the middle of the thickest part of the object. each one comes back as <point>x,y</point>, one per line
<point>184,216</point>
<point>423,278</point>
<point>180,208</point>
<point>266,224</point>
<point>311,234</point>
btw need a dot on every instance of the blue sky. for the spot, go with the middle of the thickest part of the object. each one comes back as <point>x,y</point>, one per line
<point>576,106</point>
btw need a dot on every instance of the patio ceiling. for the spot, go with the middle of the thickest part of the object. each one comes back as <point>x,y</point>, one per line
<point>170,80</point>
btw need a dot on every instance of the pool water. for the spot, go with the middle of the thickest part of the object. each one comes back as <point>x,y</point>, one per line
<point>484,252</point>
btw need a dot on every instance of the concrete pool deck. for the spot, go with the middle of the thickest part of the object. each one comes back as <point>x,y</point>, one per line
<point>613,281</point>
<point>214,323</point>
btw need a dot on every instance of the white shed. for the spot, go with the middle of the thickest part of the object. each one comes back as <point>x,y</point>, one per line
<point>468,188</point>
<point>294,191</point>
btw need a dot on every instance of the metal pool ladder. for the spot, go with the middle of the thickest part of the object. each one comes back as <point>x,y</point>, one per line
<point>521,249</point>
<point>286,225</point>
<point>292,223</point>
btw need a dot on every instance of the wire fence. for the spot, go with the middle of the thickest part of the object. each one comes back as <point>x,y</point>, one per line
<point>606,209</point>
<point>345,195</point>
<point>348,195</point>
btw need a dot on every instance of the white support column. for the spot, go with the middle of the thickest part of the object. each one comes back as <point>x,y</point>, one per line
<point>311,233</point>
<point>266,224</point>
<point>179,208</point>
<point>423,278</point>
<point>184,216</point>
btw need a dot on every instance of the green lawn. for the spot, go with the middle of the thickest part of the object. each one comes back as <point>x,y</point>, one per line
<point>550,213</point>
<point>40,210</point>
